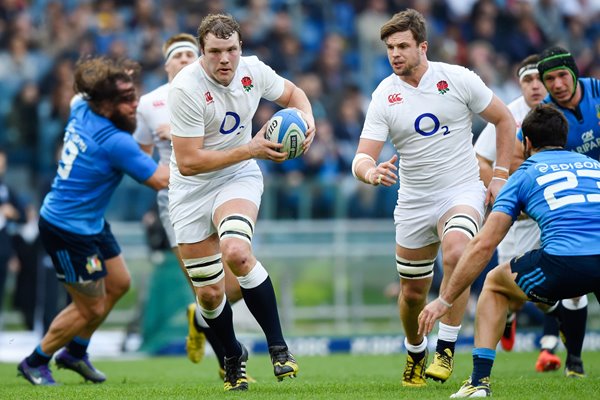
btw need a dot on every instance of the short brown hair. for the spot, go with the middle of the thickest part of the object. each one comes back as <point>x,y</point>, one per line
<point>180,37</point>
<point>220,25</point>
<point>407,20</point>
<point>544,125</point>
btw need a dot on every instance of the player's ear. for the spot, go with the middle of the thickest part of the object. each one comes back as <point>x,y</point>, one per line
<point>527,147</point>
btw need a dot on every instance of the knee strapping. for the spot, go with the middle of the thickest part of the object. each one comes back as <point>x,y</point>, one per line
<point>237,226</point>
<point>463,223</point>
<point>409,269</point>
<point>204,271</point>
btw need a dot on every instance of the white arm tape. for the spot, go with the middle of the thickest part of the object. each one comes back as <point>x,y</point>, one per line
<point>358,159</point>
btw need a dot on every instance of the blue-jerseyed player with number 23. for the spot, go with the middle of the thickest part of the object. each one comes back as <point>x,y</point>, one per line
<point>558,189</point>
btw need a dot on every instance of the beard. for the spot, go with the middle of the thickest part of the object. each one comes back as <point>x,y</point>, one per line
<point>124,122</point>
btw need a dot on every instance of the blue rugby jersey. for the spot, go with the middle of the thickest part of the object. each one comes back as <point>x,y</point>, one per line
<point>560,190</point>
<point>94,159</point>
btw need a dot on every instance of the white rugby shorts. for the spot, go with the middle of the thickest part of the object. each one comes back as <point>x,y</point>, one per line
<point>191,207</point>
<point>416,216</point>
<point>162,200</point>
<point>522,237</point>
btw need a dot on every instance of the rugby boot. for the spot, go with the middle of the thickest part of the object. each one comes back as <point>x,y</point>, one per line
<point>414,372</point>
<point>284,363</point>
<point>441,367</point>
<point>82,366</point>
<point>468,390</point>
<point>195,341</point>
<point>574,367</point>
<point>248,377</point>
<point>235,372</point>
<point>507,340</point>
<point>38,376</point>
<point>547,361</point>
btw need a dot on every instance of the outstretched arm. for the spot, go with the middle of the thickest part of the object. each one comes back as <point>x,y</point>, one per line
<point>498,114</point>
<point>476,256</point>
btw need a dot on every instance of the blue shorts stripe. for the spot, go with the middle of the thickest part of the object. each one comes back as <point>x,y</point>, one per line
<point>529,275</point>
<point>71,268</point>
<point>67,266</point>
<point>532,285</point>
<point>61,260</point>
<point>546,278</point>
<point>527,281</point>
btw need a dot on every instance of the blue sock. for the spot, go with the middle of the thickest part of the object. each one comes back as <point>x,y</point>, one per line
<point>77,347</point>
<point>483,361</point>
<point>38,357</point>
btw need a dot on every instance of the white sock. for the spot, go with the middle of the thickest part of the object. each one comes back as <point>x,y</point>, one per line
<point>212,314</point>
<point>548,342</point>
<point>198,315</point>
<point>419,348</point>
<point>448,333</point>
<point>576,303</point>
<point>257,275</point>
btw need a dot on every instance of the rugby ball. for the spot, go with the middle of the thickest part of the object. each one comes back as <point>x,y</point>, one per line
<point>288,128</point>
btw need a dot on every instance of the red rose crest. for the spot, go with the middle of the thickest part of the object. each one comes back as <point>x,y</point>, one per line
<point>247,83</point>
<point>442,87</point>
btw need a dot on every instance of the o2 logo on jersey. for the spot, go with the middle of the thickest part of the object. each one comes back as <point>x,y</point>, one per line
<point>426,119</point>
<point>231,123</point>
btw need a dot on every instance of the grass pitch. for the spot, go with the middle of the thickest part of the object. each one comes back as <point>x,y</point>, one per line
<point>332,377</point>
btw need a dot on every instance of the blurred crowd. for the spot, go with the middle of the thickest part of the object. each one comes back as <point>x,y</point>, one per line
<point>330,48</point>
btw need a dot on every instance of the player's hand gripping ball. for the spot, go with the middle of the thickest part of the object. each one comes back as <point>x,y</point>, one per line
<point>289,128</point>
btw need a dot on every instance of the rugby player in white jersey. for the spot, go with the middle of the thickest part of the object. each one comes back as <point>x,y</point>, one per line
<point>425,108</point>
<point>153,131</point>
<point>216,185</point>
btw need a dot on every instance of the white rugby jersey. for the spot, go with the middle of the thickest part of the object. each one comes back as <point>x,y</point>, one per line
<point>152,112</point>
<point>200,106</point>
<point>430,125</point>
<point>485,145</point>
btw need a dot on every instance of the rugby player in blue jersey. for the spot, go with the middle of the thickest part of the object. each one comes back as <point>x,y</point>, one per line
<point>579,101</point>
<point>560,190</point>
<point>98,150</point>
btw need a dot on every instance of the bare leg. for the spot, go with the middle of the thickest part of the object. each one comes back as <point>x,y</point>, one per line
<point>117,283</point>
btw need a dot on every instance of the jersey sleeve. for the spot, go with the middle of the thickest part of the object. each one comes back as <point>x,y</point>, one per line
<point>485,145</point>
<point>375,127</point>
<point>143,133</point>
<point>511,198</point>
<point>479,95</point>
<point>187,112</point>
<point>125,155</point>
<point>273,83</point>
